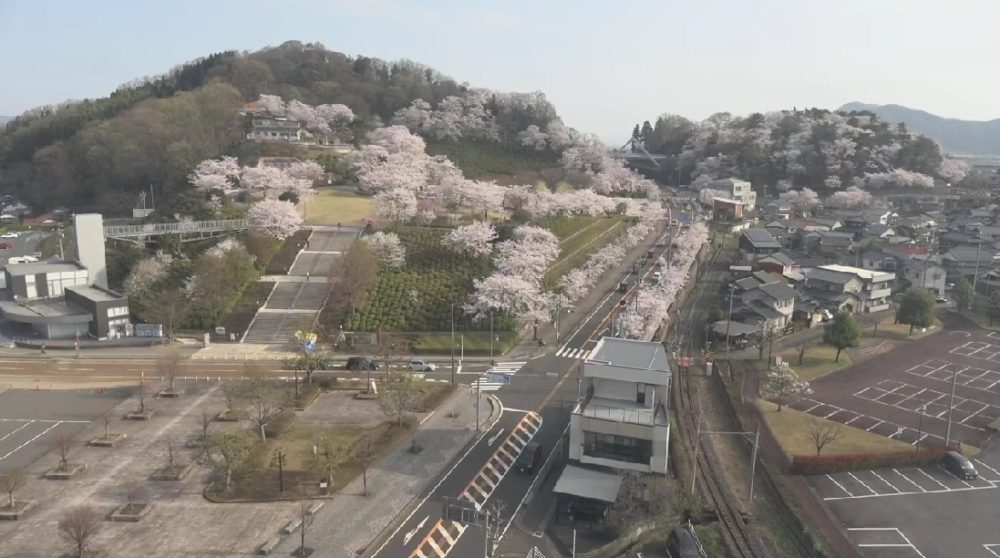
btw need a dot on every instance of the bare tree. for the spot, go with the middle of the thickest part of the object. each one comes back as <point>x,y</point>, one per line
<point>389,352</point>
<point>106,419</point>
<point>496,512</point>
<point>822,433</point>
<point>12,481</point>
<point>142,395</point>
<point>364,452</point>
<point>133,494</point>
<point>802,348</point>
<point>78,526</point>
<point>232,391</point>
<point>168,365</point>
<point>62,443</point>
<point>306,519</point>
<point>327,454</point>
<point>226,452</point>
<point>398,397</point>
<point>265,400</point>
<point>206,421</point>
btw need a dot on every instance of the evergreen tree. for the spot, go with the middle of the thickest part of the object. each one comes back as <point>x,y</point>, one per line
<point>842,332</point>
<point>916,309</point>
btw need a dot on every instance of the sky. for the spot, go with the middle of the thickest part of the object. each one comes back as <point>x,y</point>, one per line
<point>606,65</point>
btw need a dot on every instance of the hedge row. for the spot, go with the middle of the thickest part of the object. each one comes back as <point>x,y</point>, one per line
<point>825,464</point>
<point>282,261</point>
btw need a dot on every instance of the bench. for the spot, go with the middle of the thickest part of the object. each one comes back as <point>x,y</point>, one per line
<point>313,509</point>
<point>292,526</point>
<point>269,546</point>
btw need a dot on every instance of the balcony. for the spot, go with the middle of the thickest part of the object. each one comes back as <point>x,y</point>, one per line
<point>616,410</point>
<point>877,294</point>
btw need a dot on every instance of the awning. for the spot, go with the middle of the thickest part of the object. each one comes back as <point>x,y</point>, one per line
<point>588,483</point>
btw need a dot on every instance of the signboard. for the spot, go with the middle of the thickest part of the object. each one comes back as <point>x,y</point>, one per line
<point>219,330</point>
<point>148,330</point>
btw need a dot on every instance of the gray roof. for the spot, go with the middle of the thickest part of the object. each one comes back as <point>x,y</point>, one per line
<point>828,276</point>
<point>735,328</point>
<point>97,294</point>
<point>764,310</point>
<point>629,353</point>
<point>747,283</point>
<point>777,291</point>
<point>761,238</point>
<point>780,257</point>
<point>834,234</point>
<point>588,483</point>
<point>41,267</point>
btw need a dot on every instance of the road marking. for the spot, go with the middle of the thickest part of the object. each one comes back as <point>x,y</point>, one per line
<point>494,437</point>
<point>840,486</point>
<point>862,483</point>
<point>909,480</point>
<point>409,534</point>
<point>16,430</point>
<point>44,432</point>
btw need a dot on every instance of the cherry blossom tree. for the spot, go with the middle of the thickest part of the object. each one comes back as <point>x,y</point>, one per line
<point>397,139</point>
<point>274,218</point>
<point>850,198</point>
<point>305,170</point>
<point>273,104</point>
<point>225,246</point>
<point>533,137</point>
<point>216,174</point>
<point>707,196</point>
<point>509,294</point>
<point>802,201</point>
<point>475,239</point>
<point>953,170</point>
<point>387,248</point>
<point>901,178</point>
<point>784,386</point>
<point>483,196</point>
<point>399,205</point>
<point>379,169</point>
<point>146,273</point>
<point>415,117</point>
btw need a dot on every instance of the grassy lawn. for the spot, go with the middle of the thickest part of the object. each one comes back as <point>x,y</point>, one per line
<point>888,330</point>
<point>480,160</point>
<point>475,342</point>
<point>791,429</point>
<point>818,361</point>
<point>331,206</point>
<point>982,320</point>
<point>577,246</point>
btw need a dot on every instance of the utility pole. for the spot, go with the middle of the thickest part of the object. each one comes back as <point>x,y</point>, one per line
<point>753,458</point>
<point>975,278</point>
<point>694,467</point>
<point>491,337</point>
<point>452,343</point>
<point>729,320</point>
<point>479,401</point>
<point>951,408</point>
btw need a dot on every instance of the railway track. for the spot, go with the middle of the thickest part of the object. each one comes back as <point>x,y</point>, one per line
<point>741,541</point>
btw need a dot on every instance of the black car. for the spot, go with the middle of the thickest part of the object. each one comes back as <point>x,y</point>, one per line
<point>529,459</point>
<point>585,509</point>
<point>361,363</point>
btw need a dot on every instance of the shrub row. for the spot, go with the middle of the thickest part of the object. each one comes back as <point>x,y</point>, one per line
<point>282,261</point>
<point>825,464</point>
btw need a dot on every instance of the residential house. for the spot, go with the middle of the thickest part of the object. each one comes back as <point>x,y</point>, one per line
<point>622,421</point>
<point>953,238</point>
<point>725,210</point>
<point>965,261</point>
<point>738,190</point>
<point>771,303</point>
<point>848,288</point>
<point>270,128</point>
<point>833,243</point>
<point>777,210</point>
<point>920,228</point>
<point>282,163</point>
<point>779,262</point>
<point>831,224</point>
<point>927,275</point>
<point>757,243</point>
<point>879,261</point>
<point>880,232</point>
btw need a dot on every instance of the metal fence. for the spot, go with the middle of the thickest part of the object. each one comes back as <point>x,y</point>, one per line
<point>153,229</point>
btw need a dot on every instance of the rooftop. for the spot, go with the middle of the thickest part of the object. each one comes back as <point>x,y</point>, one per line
<point>761,238</point>
<point>857,271</point>
<point>629,353</point>
<point>778,257</point>
<point>777,290</point>
<point>42,267</point>
<point>97,294</point>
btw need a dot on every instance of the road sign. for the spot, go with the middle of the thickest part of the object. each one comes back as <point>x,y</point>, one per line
<point>498,378</point>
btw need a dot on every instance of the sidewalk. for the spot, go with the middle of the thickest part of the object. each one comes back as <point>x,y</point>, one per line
<point>349,522</point>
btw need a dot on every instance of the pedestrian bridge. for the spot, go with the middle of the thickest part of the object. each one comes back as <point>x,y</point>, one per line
<point>187,230</point>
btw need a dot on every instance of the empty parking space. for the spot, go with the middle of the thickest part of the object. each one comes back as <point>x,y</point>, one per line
<point>982,379</point>
<point>884,542</point>
<point>887,428</point>
<point>931,403</point>
<point>901,481</point>
<point>978,350</point>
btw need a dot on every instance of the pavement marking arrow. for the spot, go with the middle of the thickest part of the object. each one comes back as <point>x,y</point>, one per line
<point>409,534</point>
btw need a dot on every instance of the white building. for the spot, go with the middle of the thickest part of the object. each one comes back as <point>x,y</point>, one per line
<point>622,419</point>
<point>738,190</point>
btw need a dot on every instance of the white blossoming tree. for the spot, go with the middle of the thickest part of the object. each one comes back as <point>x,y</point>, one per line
<point>783,385</point>
<point>475,239</point>
<point>274,218</point>
<point>398,205</point>
<point>387,248</point>
<point>849,198</point>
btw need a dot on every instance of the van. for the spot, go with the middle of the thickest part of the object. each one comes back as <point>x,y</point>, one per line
<point>958,465</point>
<point>529,458</point>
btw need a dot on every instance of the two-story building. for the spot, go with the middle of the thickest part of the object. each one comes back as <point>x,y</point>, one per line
<point>622,419</point>
<point>273,128</point>
<point>926,274</point>
<point>772,303</point>
<point>757,243</point>
<point>738,190</point>
<point>854,289</point>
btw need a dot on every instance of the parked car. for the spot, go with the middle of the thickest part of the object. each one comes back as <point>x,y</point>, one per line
<point>529,459</point>
<point>10,234</point>
<point>941,300</point>
<point>657,275</point>
<point>585,509</point>
<point>958,465</point>
<point>421,365</point>
<point>6,245</point>
<point>361,363</point>
<point>623,287</point>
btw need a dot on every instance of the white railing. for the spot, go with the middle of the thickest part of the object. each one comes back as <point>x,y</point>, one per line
<point>154,229</point>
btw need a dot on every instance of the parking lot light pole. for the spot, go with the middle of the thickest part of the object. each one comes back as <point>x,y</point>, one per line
<point>951,409</point>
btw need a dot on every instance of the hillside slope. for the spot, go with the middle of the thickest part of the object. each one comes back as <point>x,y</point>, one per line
<point>960,137</point>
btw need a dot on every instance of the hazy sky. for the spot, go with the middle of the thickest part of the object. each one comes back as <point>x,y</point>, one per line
<point>605,65</point>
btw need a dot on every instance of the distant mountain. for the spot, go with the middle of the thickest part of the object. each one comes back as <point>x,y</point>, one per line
<point>959,137</point>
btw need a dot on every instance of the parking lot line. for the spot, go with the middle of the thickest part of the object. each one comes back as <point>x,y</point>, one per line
<point>16,430</point>
<point>909,480</point>
<point>905,544</point>
<point>840,486</point>
<point>886,482</point>
<point>995,472</point>
<point>859,481</point>
<point>942,485</point>
<point>989,548</point>
<point>18,448</point>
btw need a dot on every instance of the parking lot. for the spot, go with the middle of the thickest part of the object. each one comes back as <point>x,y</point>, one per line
<point>905,394</point>
<point>30,419</point>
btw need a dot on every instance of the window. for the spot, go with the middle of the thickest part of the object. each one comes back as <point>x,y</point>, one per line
<point>619,448</point>
<point>640,394</point>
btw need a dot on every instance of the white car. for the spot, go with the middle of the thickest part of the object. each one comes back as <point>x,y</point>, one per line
<point>421,365</point>
<point>10,234</point>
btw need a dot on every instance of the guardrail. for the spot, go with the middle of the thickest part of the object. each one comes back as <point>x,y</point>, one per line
<point>154,229</point>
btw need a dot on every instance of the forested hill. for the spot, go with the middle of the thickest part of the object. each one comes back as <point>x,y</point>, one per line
<point>813,148</point>
<point>5,119</point>
<point>960,137</point>
<point>100,153</point>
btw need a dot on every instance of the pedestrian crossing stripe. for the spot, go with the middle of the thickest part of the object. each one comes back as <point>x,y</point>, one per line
<point>569,352</point>
<point>483,383</point>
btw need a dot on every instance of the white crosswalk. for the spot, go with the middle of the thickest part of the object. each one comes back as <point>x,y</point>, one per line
<point>569,352</point>
<point>484,383</point>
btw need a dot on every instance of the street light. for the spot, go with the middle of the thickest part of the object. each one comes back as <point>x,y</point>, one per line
<point>729,319</point>
<point>951,408</point>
